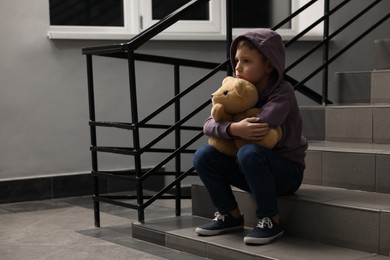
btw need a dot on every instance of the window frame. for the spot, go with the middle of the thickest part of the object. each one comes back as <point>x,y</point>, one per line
<point>138,14</point>
<point>213,25</point>
<point>130,28</point>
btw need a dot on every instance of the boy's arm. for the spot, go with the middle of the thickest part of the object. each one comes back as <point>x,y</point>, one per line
<point>249,128</point>
<point>217,129</point>
<point>278,106</point>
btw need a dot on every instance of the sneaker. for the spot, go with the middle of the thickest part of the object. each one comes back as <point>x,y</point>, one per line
<point>221,224</point>
<point>265,231</point>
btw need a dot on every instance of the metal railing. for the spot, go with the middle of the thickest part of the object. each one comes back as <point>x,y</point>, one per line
<point>127,51</point>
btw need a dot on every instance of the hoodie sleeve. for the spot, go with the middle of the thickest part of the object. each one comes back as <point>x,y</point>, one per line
<point>278,106</point>
<point>217,129</point>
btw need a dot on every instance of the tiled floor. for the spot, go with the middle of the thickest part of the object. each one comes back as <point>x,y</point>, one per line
<point>64,229</point>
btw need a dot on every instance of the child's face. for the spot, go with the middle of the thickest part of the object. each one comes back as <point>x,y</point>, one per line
<point>252,66</point>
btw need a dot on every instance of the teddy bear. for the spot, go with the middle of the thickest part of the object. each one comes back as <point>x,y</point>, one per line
<point>234,101</point>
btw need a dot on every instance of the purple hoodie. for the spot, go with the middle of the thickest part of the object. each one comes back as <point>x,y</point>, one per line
<point>278,103</point>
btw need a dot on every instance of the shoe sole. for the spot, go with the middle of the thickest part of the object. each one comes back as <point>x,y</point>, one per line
<point>262,240</point>
<point>208,232</point>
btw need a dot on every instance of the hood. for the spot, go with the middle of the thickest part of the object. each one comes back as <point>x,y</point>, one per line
<point>269,43</point>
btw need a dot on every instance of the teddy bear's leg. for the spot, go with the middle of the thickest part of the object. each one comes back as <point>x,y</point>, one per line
<point>280,133</point>
<point>269,141</point>
<point>224,146</point>
<point>241,142</point>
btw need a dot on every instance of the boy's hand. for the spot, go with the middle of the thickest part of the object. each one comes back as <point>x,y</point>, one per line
<point>249,128</point>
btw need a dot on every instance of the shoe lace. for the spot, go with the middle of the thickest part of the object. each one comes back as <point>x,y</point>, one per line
<point>219,217</point>
<point>265,222</point>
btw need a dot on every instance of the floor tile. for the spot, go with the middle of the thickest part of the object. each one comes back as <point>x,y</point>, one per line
<point>64,229</point>
<point>33,206</point>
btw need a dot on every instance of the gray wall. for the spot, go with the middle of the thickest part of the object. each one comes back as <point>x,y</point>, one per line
<point>43,89</point>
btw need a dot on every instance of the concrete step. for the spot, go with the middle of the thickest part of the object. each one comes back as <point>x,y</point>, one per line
<point>358,166</point>
<point>347,218</point>
<point>364,124</point>
<point>369,87</point>
<point>321,223</point>
<point>382,54</point>
<point>347,123</point>
<point>313,122</point>
<point>179,233</point>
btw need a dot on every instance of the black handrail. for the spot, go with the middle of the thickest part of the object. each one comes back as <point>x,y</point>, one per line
<point>173,127</point>
<point>183,93</point>
<point>317,22</point>
<point>343,50</point>
<point>127,51</point>
<point>293,15</point>
<point>299,86</point>
<point>332,35</point>
<point>148,33</point>
<point>163,24</point>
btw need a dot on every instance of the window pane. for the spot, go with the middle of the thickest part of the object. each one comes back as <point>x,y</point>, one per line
<point>281,9</point>
<point>162,8</point>
<point>256,14</point>
<point>86,12</point>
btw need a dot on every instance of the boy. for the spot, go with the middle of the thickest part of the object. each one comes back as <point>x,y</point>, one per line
<point>259,57</point>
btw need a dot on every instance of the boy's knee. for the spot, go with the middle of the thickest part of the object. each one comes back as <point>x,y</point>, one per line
<point>249,152</point>
<point>202,154</point>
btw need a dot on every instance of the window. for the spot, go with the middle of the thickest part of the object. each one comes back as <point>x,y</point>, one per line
<point>270,12</point>
<point>162,8</point>
<point>93,19</point>
<point>122,19</point>
<point>206,21</point>
<point>87,13</point>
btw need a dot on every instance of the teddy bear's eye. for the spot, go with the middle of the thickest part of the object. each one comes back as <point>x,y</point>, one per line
<point>225,92</point>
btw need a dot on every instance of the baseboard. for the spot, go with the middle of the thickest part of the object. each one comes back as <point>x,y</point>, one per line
<point>54,187</point>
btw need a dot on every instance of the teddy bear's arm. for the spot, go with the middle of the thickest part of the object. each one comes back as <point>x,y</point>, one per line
<point>252,112</point>
<point>219,114</point>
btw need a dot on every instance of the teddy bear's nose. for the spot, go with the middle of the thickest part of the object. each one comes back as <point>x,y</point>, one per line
<point>225,92</point>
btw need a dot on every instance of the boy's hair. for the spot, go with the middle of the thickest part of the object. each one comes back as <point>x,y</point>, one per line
<point>250,45</point>
<point>246,43</point>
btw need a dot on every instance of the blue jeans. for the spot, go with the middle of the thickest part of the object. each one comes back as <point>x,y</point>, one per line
<point>261,172</point>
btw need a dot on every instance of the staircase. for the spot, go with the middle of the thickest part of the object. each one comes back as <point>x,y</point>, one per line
<point>342,211</point>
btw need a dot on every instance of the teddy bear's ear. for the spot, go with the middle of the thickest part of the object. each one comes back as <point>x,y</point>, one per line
<point>240,89</point>
<point>227,79</point>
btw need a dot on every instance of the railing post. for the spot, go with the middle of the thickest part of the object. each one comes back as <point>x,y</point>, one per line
<point>325,58</point>
<point>92,129</point>
<point>136,136</point>
<point>177,140</point>
<point>229,33</point>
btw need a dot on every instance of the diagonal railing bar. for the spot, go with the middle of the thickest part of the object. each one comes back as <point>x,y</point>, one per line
<point>306,91</point>
<point>176,61</point>
<point>163,24</point>
<point>170,157</point>
<point>173,127</point>
<point>147,34</point>
<point>347,47</point>
<point>314,24</point>
<point>169,125</point>
<point>165,60</point>
<point>294,14</point>
<point>168,187</point>
<point>303,89</point>
<point>332,35</point>
<point>183,93</point>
